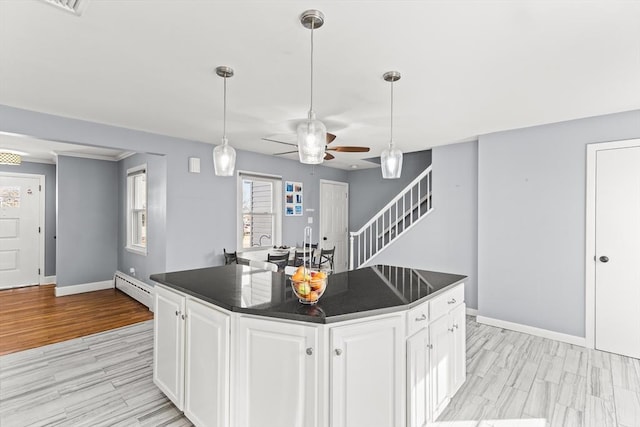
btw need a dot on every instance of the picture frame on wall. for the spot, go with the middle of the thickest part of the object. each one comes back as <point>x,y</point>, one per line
<point>293,198</point>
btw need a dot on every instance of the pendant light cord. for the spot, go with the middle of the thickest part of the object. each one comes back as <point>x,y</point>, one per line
<point>224,111</point>
<point>311,89</point>
<point>391,139</point>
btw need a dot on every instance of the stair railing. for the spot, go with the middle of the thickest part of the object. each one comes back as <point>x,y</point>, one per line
<point>393,220</point>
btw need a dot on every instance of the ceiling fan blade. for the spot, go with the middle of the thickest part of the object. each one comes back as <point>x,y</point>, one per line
<point>329,156</point>
<point>330,137</point>
<point>348,149</point>
<point>279,142</point>
<point>286,152</point>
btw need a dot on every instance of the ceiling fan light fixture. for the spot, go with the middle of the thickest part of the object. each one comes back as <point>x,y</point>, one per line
<point>391,157</point>
<point>312,133</point>
<point>224,155</point>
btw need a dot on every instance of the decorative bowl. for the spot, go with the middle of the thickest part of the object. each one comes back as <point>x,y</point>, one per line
<point>308,285</point>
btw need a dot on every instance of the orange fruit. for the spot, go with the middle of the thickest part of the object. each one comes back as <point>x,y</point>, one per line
<point>321,275</point>
<point>313,296</point>
<point>298,276</point>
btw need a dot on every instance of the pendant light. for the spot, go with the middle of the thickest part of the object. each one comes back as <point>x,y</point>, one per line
<point>391,157</point>
<point>224,156</point>
<point>312,133</point>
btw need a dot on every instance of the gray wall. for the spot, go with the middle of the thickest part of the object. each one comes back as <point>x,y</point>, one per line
<point>87,199</point>
<point>201,213</point>
<point>155,259</point>
<point>531,217</point>
<point>446,240</point>
<point>368,192</point>
<point>49,172</point>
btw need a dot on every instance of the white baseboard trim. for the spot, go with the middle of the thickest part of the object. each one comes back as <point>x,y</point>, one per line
<point>47,280</point>
<point>531,330</point>
<point>472,312</point>
<point>84,287</point>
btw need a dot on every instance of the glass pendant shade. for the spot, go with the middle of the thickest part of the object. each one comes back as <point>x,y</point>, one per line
<point>391,162</point>
<point>312,139</point>
<point>224,159</point>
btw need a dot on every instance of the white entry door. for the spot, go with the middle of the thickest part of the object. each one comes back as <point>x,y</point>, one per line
<point>334,220</point>
<point>19,231</point>
<point>617,293</point>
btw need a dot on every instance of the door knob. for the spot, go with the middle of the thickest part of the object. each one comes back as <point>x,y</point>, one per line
<point>604,258</point>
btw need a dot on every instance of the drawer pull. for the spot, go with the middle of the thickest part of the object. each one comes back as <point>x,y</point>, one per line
<point>309,351</point>
<point>450,329</point>
<point>338,352</point>
<point>451,301</point>
<point>421,318</point>
<point>455,325</point>
<point>430,346</point>
<point>177,313</point>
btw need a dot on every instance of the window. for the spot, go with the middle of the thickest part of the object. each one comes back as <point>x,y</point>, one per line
<point>137,209</point>
<point>259,209</point>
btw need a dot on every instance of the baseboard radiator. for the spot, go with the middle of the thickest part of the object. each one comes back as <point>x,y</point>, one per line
<point>135,288</point>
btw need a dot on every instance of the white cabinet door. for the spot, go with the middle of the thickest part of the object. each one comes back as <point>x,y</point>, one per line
<point>276,374</point>
<point>418,380</point>
<point>206,399</point>
<point>168,347</point>
<point>458,348</point>
<point>367,369</point>
<point>440,334</point>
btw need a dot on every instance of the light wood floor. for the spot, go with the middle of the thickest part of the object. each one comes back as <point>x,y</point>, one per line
<point>32,317</point>
<point>513,380</point>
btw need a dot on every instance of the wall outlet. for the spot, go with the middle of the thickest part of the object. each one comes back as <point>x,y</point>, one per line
<point>132,271</point>
<point>310,220</point>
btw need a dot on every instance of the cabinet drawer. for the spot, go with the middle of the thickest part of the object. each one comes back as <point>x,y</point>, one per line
<point>442,304</point>
<point>417,318</point>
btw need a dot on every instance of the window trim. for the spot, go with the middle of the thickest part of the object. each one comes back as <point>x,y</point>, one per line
<point>277,208</point>
<point>136,170</point>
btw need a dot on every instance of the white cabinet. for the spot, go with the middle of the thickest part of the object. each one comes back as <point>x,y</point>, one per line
<point>367,369</point>
<point>418,379</point>
<point>168,347</point>
<point>276,374</point>
<point>206,367</point>
<point>458,321</point>
<point>448,348</point>
<point>191,357</point>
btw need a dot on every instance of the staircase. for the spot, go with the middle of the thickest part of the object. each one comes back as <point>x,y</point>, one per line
<point>392,221</point>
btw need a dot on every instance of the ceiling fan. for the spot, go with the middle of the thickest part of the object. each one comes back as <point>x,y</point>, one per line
<point>327,156</point>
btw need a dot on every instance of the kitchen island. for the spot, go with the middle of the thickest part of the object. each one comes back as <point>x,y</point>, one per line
<point>384,346</point>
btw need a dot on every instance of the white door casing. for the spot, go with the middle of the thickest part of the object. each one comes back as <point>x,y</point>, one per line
<point>21,229</point>
<point>599,240</point>
<point>617,266</point>
<point>334,221</point>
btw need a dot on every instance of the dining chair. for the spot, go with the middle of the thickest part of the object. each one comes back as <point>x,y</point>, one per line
<point>301,257</point>
<point>281,260</point>
<point>325,259</point>
<point>263,265</point>
<point>230,257</point>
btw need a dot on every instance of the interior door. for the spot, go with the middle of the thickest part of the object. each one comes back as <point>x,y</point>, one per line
<point>334,220</point>
<point>618,251</point>
<point>19,231</point>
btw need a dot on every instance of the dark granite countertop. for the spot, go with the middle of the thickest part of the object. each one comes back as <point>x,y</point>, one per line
<point>349,295</point>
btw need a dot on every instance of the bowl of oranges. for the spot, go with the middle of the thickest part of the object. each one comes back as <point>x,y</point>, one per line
<point>308,285</point>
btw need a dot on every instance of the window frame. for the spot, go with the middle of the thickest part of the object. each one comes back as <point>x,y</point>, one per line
<point>276,181</point>
<point>131,211</point>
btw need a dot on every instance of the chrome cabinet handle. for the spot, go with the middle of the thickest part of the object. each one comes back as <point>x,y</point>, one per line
<point>455,326</point>
<point>177,313</point>
<point>309,351</point>
<point>451,301</point>
<point>450,330</point>
<point>604,258</point>
<point>338,352</point>
<point>430,346</point>
<point>421,318</point>
<point>184,316</point>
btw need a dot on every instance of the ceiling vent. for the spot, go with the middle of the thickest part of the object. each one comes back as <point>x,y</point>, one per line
<point>72,6</point>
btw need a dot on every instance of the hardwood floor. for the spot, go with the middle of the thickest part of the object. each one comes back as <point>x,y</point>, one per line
<point>32,317</point>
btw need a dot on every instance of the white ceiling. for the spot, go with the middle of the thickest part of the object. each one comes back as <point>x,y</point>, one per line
<point>468,67</point>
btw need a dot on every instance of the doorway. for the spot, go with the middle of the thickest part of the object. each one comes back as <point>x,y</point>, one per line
<point>334,221</point>
<point>21,229</point>
<point>613,247</point>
